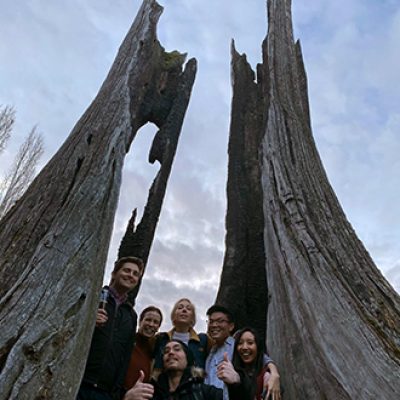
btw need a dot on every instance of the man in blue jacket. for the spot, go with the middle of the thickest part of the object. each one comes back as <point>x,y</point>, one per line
<point>114,334</point>
<point>220,327</point>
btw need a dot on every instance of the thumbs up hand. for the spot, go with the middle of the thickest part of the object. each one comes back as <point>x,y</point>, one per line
<point>141,377</point>
<point>140,391</point>
<point>226,372</point>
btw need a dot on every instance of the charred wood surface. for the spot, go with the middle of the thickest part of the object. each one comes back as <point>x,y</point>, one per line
<point>54,241</point>
<point>175,98</point>
<point>243,280</point>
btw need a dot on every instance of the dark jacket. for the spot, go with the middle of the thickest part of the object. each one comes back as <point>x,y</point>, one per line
<point>244,390</point>
<point>250,387</point>
<point>111,348</point>
<point>189,389</point>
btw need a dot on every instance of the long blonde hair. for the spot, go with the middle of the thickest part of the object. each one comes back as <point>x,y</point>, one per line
<point>175,307</point>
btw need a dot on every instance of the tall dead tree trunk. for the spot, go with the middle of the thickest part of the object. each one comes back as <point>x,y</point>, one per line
<point>138,241</point>
<point>244,242</point>
<point>54,241</point>
<point>333,322</point>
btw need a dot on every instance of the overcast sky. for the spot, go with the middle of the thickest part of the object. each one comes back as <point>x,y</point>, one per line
<point>55,55</point>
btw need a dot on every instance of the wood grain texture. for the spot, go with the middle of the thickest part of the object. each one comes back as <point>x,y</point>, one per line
<point>333,321</point>
<point>243,280</point>
<point>54,242</point>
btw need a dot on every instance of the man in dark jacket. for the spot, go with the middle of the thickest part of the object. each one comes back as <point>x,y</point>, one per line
<point>114,334</point>
<point>177,382</point>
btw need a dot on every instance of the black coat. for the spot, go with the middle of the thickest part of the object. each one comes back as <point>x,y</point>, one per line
<point>111,348</point>
<point>189,389</point>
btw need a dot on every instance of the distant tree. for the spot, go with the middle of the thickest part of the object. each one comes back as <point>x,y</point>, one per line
<point>7,118</point>
<point>23,168</point>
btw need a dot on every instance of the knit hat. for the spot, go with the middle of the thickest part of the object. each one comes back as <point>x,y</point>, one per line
<point>188,352</point>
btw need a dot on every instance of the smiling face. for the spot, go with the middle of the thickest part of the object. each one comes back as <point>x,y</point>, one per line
<point>174,357</point>
<point>219,327</point>
<point>183,315</point>
<point>150,323</point>
<point>125,278</point>
<point>247,348</point>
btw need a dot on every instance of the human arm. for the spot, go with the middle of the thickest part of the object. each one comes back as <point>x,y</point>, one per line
<point>237,382</point>
<point>271,383</point>
<point>129,339</point>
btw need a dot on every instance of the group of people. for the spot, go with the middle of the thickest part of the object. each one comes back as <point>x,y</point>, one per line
<point>180,364</point>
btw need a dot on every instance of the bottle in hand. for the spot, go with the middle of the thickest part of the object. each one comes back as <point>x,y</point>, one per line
<point>103,298</point>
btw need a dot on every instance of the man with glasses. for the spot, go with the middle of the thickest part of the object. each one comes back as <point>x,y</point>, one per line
<point>220,326</point>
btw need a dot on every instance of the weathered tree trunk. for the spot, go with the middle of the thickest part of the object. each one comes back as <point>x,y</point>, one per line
<point>244,242</point>
<point>138,241</point>
<point>54,241</point>
<point>333,322</point>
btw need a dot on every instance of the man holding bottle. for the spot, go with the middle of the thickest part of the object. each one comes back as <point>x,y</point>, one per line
<point>114,334</point>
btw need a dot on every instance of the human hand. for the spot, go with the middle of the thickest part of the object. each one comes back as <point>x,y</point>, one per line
<point>226,372</point>
<point>140,391</point>
<point>272,386</point>
<point>101,317</point>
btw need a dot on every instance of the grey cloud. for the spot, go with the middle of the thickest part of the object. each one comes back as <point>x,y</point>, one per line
<point>182,262</point>
<point>164,293</point>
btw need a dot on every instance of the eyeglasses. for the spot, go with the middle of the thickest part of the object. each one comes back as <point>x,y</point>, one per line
<point>219,321</point>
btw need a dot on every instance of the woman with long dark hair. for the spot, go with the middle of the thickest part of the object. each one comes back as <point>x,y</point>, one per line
<point>248,373</point>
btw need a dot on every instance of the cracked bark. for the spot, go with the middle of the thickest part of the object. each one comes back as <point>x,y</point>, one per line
<point>138,241</point>
<point>333,321</point>
<point>54,241</point>
<point>244,243</point>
